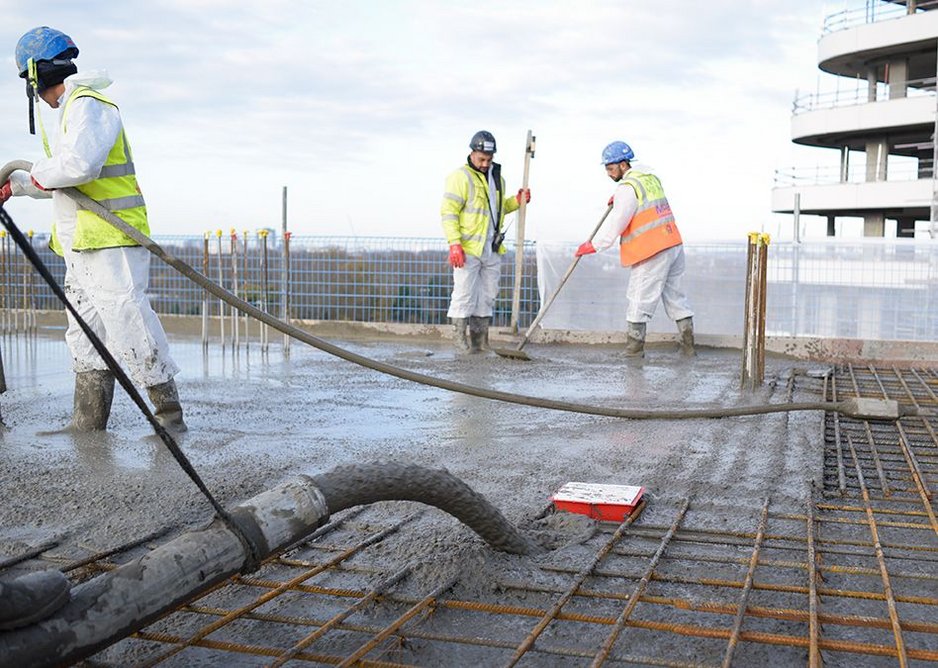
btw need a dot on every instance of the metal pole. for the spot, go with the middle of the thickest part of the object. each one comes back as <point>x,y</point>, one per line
<point>797,216</point>
<point>264,287</point>
<point>285,273</point>
<point>31,301</point>
<point>244,278</point>
<point>221,282</point>
<point>286,292</point>
<point>236,343</point>
<point>763,299</point>
<point>933,218</point>
<point>519,237</point>
<point>5,318</point>
<point>205,292</point>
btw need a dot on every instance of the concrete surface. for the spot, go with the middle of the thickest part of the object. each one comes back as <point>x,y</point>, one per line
<point>256,420</point>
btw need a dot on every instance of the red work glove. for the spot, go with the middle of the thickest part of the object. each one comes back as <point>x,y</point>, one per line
<point>586,248</point>
<point>612,198</point>
<point>36,183</point>
<point>457,257</point>
<point>525,193</point>
<point>6,192</point>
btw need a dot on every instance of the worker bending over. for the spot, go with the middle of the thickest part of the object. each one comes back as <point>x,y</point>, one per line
<point>649,243</point>
<point>106,272</point>
<point>473,212</point>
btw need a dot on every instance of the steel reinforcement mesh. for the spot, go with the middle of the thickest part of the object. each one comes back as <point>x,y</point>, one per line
<point>851,578</point>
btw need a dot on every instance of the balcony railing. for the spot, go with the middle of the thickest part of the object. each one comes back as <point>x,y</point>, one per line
<point>832,174</point>
<point>860,93</point>
<point>871,12</point>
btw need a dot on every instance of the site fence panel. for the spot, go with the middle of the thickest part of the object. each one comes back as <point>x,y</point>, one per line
<point>867,289</point>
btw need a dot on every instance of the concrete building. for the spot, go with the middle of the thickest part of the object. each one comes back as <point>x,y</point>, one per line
<point>881,118</point>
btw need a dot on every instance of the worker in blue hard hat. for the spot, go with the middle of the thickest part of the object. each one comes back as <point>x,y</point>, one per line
<point>106,272</point>
<point>649,243</point>
<point>473,213</point>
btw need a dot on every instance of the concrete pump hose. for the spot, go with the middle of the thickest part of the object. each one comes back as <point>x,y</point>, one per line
<point>636,414</point>
<point>358,484</point>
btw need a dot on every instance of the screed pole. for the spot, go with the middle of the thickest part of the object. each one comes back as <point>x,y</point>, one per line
<point>519,237</point>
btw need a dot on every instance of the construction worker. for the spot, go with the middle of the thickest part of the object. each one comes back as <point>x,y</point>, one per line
<point>649,243</point>
<point>106,272</point>
<point>473,213</point>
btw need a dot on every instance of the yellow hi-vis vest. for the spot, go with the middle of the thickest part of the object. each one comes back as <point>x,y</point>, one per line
<point>652,228</point>
<point>115,189</point>
<point>465,209</point>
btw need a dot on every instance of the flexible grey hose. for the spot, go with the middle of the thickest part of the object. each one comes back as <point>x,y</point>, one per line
<point>358,484</point>
<point>86,202</point>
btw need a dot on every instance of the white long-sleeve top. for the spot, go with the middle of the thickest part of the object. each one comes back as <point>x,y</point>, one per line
<point>79,154</point>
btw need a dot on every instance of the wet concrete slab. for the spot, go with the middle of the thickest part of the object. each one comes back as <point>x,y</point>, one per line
<point>256,419</point>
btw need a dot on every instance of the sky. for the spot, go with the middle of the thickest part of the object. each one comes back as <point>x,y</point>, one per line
<point>361,108</point>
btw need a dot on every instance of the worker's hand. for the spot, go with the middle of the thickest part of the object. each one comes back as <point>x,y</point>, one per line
<point>36,183</point>
<point>525,193</point>
<point>6,192</point>
<point>586,248</point>
<point>612,199</point>
<point>457,257</point>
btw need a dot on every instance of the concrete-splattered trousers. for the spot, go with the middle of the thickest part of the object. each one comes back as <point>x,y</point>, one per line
<point>659,277</point>
<point>108,289</point>
<point>475,286</point>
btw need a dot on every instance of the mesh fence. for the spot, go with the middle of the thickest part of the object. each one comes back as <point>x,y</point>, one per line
<point>868,289</point>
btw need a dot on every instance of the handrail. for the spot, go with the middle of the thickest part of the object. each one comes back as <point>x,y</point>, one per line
<point>872,12</point>
<point>860,94</point>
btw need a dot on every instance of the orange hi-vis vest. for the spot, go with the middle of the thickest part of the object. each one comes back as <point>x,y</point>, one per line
<point>652,228</point>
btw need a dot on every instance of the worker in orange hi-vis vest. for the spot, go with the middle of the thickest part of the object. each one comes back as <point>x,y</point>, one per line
<point>649,243</point>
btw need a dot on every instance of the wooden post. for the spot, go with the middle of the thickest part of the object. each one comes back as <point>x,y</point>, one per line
<point>519,238</point>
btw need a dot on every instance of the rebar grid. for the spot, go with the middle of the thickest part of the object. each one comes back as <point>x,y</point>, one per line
<point>837,579</point>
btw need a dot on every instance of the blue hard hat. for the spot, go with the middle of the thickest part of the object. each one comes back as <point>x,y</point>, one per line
<point>43,43</point>
<point>617,151</point>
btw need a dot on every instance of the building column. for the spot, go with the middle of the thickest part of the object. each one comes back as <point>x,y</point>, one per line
<point>877,154</point>
<point>831,229</point>
<point>871,84</point>
<point>844,164</point>
<point>897,77</point>
<point>874,225</point>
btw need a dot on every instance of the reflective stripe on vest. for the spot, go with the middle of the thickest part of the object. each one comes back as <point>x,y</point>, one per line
<point>115,189</point>
<point>652,228</point>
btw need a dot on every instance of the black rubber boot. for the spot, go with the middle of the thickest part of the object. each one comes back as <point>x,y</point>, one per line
<point>476,333</point>
<point>685,327</point>
<point>31,598</point>
<point>460,340</point>
<point>168,411</point>
<point>635,343</point>
<point>94,392</point>
<point>479,333</point>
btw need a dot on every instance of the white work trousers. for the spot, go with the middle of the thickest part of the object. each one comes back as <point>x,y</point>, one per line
<point>659,277</point>
<point>108,287</point>
<point>475,286</point>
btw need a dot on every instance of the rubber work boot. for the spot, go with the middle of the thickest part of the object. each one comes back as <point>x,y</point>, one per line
<point>685,327</point>
<point>31,598</point>
<point>635,343</point>
<point>478,334</point>
<point>94,392</point>
<point>168,411</point>
<point>460,341</point>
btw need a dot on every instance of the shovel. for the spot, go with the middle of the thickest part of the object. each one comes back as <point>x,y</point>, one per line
<point>518,353</point>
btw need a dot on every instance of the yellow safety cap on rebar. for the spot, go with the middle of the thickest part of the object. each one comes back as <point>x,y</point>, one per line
<point>3,234</point>
<point>208,234</point>
<point>30,234</point>
<point>217,233</point>
<point>262,233</point>
<point>766,238</point>
<point>753,237</point>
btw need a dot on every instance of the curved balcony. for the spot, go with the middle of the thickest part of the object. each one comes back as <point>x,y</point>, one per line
<point>849,47</point>
<point>907,192</point>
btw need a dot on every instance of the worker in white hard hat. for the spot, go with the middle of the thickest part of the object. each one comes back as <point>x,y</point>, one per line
<point>649,243</point>
<point>106,272</point>
<point>473,214</point>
